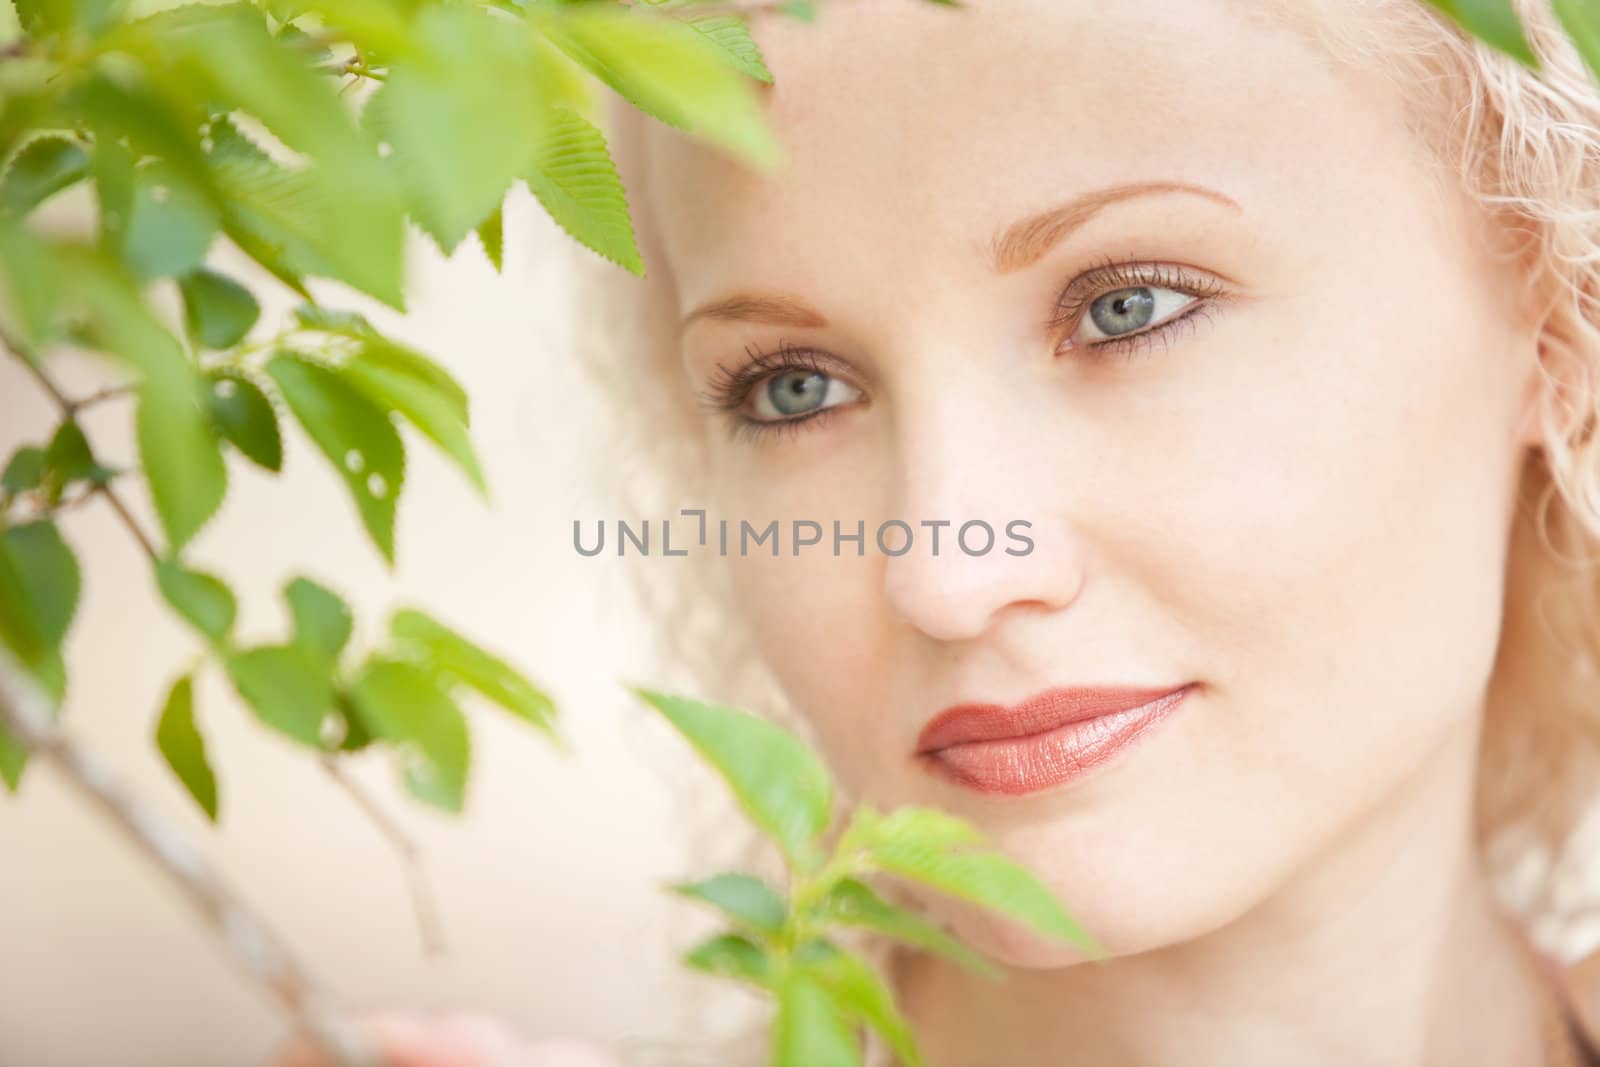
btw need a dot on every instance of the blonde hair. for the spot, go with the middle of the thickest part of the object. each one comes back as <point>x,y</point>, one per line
<point>1526,147</point>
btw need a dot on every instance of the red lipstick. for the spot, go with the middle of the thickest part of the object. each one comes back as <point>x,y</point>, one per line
<point>1050,738</point>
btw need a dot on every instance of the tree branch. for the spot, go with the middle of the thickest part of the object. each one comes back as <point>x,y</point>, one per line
<point>25,715</point>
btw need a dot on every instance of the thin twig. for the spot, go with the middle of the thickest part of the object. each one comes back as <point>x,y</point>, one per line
<point>25,715</point>
<point>429,927</point>
<point>110,392</point>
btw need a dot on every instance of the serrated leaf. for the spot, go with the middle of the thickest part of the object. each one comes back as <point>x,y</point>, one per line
<point>400,703</point>
<point>731,956</point>
<point>810,1030</point>
<point>394,357</point>
<point>729,33</point>
<point>245,418</point>
<point>321,620</point>
<point>491,234</point>
<point>24,470</point>
<point>287,687</point>
<point>780,784</point>
<point>854,903</point>
<point>182,461</point>
<point>1494,22</point>
<point>171,224</point>
<point>742,897</point>
<point>44,167</point>
<point>576,181</point>
<point>184,749</point>
<point>354,434</point>
<point>419,400</point>
<point>462,662</point>
<point>203,600</point>
<point>667,70</point>
<point>860,994</point>
<point>1581,20</point>
<point>49,576</point>
<point>335,321</point>
<point>460,119</point>
<point>218,310</point>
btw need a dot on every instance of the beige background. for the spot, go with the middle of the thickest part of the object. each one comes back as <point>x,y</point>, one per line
<point>548,886</point>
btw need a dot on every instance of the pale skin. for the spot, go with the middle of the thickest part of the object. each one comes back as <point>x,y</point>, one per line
<point>1296,491</point>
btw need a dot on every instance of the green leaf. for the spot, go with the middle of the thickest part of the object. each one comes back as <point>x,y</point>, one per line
<point>245,418</point>
<point>184,749</point>
<point>460,119</point>
<point>20,634</point>
<point>668,70</point>
<point>780,784</point>
<point>322,621</point>
<point>400,703</point>
<point>218,310</point>
<point>810,1030</point>
<point>30,290</point>
<point>1581,20</point>
<point>287,687</point>
<point>202,599</point>
<point>731,956</point>
<point>803,10</point>
<point>354,434</point>
<point>858,992</point>
<point>395,386</point>
<point>182,461</point>
<point>69,460</point>
<point>729,33</point>
<point>462,662</point>
<point>575,179</point>
<point>24,471</point>
<point>44,167</point>
<point>49,576</point>
<point>742,897</point>
<point>1493,21</point>
<point>853,903</point>
<point>491,232</point>
<point>391,356</point>
<point>171,226</point>
<point>13,758</point>
<point>335,321</point>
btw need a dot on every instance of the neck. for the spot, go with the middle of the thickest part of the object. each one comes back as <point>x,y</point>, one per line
<point>1388,949</point>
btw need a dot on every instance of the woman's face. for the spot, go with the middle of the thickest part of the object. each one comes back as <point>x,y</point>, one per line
<point>1263,408</point>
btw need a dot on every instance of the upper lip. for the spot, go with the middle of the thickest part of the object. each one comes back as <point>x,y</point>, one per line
<point>961,723</point>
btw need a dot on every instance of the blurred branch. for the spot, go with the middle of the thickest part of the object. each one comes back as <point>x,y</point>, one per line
<point>429,927</point>
<point>25,715</point>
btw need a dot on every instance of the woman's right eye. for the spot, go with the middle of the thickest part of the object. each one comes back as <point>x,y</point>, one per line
<point>794,394</point>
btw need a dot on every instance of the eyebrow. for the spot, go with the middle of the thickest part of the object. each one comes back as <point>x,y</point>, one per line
<point>1014,248</point>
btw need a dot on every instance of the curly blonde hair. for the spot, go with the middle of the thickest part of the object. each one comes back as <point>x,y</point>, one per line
<point>1526,146</point>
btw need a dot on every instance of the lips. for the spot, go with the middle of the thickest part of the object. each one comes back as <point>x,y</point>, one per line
<point>1043,741</point>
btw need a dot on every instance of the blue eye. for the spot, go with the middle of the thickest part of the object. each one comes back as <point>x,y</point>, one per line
<point>1126,310</point>
<point>799,392</point>
<point>1123,307</point>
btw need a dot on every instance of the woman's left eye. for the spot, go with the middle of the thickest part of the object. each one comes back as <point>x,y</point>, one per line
<point>1127,311</point>
<point>799,392</point>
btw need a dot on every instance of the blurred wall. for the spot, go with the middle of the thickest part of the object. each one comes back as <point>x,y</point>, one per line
<point>548,886</point>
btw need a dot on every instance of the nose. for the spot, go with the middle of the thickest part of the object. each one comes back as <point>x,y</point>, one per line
<point>991,531</point>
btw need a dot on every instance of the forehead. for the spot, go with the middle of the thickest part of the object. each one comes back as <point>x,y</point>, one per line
<point>921,129</point>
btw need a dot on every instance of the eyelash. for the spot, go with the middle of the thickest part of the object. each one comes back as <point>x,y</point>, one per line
<point>728,389</point>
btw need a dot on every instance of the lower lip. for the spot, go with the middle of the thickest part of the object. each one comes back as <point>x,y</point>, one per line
<point>1017,765</point>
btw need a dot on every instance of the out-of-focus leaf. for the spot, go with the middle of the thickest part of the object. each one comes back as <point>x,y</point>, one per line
<point>49,576</point>
<point>742,897</point>
<point>287,687</point>
<point>218,310</point>
<point>575,179</point>
<point>810,1030</point>
<point>431,409</point>
<point>462,662</point>
<point>182,461</point>
<point>668,70</point>
<point>1493,21</point>
<point>336,321</point>
<point>29,288</point>
<point>24,471</point>
<point>47,165</point>
<point>171,226</point>
<point>1581,20</point>
<point>68,459</point>
<point>729,33</point>
<point>355,435</point>
<point>322,621</point>
<point>184,749</point>
<point>854,903</point>
<point>858,992</point>
<point>731,956</point>
<point>491,233</point>
<point>245,418</point>
<point>397,359</point>
<point>400,703</point>
<point>202,599</point>
<point>42,660</point>
<point>778,782</point>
